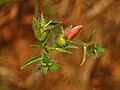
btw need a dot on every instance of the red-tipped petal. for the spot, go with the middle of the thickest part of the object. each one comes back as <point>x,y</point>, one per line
<point>72,33</point>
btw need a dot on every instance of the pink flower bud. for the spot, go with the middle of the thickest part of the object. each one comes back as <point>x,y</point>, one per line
<point>72,33</point>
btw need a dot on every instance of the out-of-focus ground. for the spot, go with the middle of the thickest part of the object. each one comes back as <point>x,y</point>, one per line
<point>16,35</point>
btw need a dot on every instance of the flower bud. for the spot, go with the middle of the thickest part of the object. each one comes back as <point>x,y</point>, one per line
<point>72,33</point>
<point>61,40</point>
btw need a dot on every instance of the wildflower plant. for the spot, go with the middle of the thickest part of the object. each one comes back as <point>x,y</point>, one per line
<point>45,30</point>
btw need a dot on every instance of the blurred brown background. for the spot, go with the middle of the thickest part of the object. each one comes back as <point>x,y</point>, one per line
<point>16,35</point>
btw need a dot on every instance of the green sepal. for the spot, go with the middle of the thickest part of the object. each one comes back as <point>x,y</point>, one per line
<point>55,67</point>
<point>31,61</point>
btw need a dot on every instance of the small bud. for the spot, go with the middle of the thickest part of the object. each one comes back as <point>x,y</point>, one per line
<point>61,40</point>
<point>73,32</point>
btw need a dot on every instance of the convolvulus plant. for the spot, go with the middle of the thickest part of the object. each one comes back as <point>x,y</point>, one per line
<point>45,30</point>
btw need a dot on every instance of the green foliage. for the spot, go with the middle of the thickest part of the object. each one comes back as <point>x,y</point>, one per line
<point>95,48</point>
<point>31,61</point>
<point>100,49</point>
<point>46,31</point>
<point>90,48</point>
<point>46,59</point>
<point>41,28</point>
<point>47,64</point>
<point>91,36</point>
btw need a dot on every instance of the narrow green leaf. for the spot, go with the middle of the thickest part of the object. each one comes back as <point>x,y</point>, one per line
<point>62,50</point>
<point>78,41</point>
<point>46,58</point>
<point>36,22</point>
<point>45,70</point>
<point>48,23</point>
<point>91,36</point>
<point>99,49</point>
<point>42,20</point>
<point>31,61</point>
<point>55,67</point>
<point>36,45</point>
<point>70,46</point>
<point>36,27</point>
